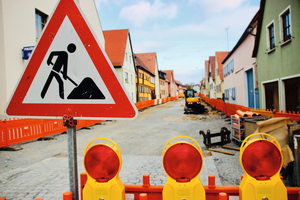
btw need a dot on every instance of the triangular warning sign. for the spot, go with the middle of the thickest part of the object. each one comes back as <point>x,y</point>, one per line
<point>70,74</point>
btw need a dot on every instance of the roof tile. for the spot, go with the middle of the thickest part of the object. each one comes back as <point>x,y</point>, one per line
<point>149,59</point>
<point>212,66</point>
<point>220,56</point>
<point>115,45</point>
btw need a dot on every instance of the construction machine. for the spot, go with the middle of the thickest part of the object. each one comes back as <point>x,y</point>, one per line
<point>192,102</point>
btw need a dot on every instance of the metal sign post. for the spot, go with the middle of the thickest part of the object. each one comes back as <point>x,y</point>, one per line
<point>71,123</point>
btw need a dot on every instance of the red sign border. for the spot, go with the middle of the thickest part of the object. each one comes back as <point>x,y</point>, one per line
<point>123,107</point>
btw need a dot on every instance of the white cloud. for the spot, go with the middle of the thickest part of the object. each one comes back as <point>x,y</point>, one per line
<point>144,10</point>
<point>186,76</point>
<point>147,46</point>
<point>218,5</point>
<point>236,20</point>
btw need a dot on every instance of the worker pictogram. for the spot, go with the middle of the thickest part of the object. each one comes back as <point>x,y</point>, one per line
<point>69,73</point>
<point>87,88</point>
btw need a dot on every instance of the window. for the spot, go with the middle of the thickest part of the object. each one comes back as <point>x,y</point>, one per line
<point>40,22</point>
<point>227,94</point>
<point>271,36</point>
<point>292,94</point>
<point>131,79</point>
<point>232,65</point>
<point>233,93</point>
<point>271,95</point>
<point>126,77</point>
<point>286,25</point>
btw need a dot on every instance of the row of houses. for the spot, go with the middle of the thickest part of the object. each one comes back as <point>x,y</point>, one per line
<point>263,68</point>
<point>138,72</point>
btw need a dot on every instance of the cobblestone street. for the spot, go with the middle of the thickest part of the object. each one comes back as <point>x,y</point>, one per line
<point>40,169</point>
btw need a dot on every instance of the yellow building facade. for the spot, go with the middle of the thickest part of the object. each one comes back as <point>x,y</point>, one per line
<point>146,85</point>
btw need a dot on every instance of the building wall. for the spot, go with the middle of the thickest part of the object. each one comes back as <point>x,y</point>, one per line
<point>212,87</point>
<point>236,79</point>
<point>17,30</point>
<point>156,80</point>
<point>218,81</point>
<point>88,7</point>
<point>282,63</point>
<point>17,33</point>
<point>207,86</point>
<point>128,67</point>
<point>145,85</point>
<point>162,86</point>
<point>3,90</point>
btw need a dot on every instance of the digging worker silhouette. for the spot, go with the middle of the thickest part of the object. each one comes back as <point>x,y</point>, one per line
<point>61,63</point>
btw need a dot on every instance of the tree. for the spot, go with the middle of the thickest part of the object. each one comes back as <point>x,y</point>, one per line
<point>189,86</point>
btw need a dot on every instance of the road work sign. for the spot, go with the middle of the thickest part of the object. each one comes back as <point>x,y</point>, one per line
<point>69,73</point>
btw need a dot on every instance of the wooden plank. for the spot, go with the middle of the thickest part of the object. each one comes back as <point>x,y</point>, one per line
<point>220,151</point>
<point>228,147</point>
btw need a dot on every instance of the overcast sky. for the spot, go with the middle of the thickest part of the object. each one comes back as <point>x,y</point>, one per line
<point>183,33</point>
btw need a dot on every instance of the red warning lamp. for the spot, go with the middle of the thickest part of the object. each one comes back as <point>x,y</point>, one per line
<point>183,162</point>
<point>102,163</point>
<point>261,159</point>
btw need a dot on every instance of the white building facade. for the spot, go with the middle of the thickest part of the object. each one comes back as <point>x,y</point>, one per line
<point>127,71</point>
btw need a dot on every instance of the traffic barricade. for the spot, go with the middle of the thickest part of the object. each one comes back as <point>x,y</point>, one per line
<point>261,159</point>
<point>102,163</point>
<point>292,115</point>
<point>3,134</point>
<point>23,130</point>
<point>52,126</point>
<point>182,162</point>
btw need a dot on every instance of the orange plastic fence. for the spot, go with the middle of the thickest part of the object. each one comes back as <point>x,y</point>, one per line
<point>147,103</point>
<point>154,192</point>
<point>293,116</point>
<point>230,109</point>
<point>14,131</point>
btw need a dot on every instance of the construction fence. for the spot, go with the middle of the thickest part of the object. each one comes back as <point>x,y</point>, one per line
<point>230,109</point>
<point>14,131</point>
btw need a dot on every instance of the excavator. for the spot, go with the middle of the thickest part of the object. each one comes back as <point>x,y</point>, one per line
<point>192,102</point>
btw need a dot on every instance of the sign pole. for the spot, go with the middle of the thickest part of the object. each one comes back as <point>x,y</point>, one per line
<point>72,155</point>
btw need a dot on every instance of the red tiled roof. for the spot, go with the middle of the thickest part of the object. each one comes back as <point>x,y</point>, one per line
<point>139,62</point>
<point>178,82</point>
<point>212,66</point>
<point>220,56</point>
<point>115,45</point>
<point>170,75</point>
<point>149,59</point>
<point>207,68</point>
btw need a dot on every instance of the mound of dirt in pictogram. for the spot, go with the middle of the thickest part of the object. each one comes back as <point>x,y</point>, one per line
<point>87,89</point>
